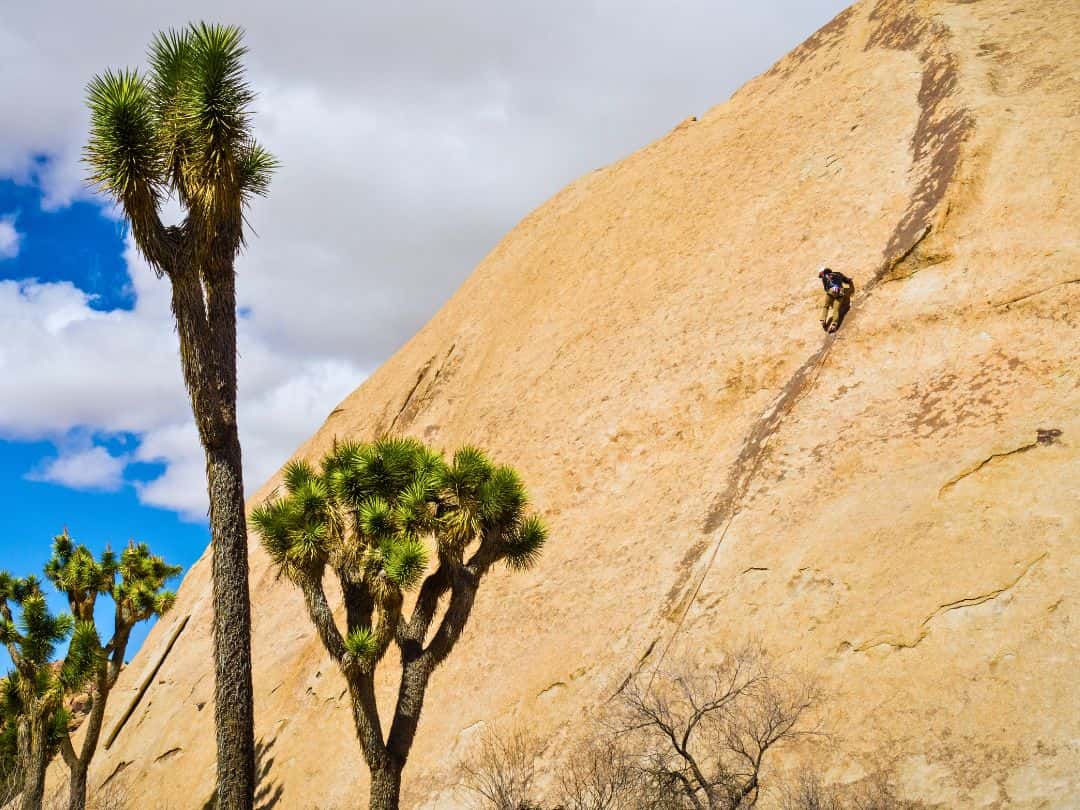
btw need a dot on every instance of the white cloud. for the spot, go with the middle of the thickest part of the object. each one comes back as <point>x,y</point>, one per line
<point>9,238</point>
<point>66,367</point>
<point>93,468</point>
<point>411,137</point>
<point>68,370</point>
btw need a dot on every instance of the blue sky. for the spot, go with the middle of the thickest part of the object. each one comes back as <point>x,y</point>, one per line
<point>410,141</point>
<point>76,243</point>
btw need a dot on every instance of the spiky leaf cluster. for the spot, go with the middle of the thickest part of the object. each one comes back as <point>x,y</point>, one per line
<point>139,592</point>
<point>15,692</point>
<point>135,580</point>
<point>32,634</point>
<point>373,511</point>
<point>28,624</point>
<point>184,127</point>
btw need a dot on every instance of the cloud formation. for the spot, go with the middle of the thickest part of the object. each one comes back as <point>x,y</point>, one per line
<point>9,237</point>
<point>71,372</point>
<point>93,468</point>
<point>411,136</point>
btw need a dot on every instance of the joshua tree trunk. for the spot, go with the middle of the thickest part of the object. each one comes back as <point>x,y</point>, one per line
<point>233,710</point>
<point>34,756</point>
<point>79,764</point>
<point>77,788</point>
<point>386,786</point>
<point>206,323</point>
<point>187,130</point>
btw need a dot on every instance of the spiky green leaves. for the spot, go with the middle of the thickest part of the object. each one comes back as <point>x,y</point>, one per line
<point>524,543</point>
<point>82,659</point>
<point>367,507</point>
<point>404,560</point>
<point>296,474</point>
<point>75,571</point>
<point>125,157</point>
<point>375,510</point>
<point>361,644</point>
<point>186,127</point>
<point>135,580</point>
<point>295,530</point>
<point>375,519</point>
<point>40,630</point>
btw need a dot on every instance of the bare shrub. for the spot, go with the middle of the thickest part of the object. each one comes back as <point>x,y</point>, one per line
<point>110,796</point>
<point>501,771</point>
<point>600,776</point>
<point>690,738</point>
<point>809,792</point>
<point>703,734</point>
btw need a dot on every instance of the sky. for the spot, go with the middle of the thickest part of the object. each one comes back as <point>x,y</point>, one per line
<point>411,136</point>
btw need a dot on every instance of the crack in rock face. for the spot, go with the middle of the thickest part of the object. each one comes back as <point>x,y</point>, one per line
<point>1043,438</point>
<point>936,147</point>
<point>959,604</point>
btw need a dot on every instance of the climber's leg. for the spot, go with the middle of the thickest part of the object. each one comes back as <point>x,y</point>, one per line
<point>845,305</point>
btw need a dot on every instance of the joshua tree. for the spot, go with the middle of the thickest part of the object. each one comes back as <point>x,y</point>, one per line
<point>186,130</point>
<point>372,514</point>
<point>135,582</point>
<point>32,695</point>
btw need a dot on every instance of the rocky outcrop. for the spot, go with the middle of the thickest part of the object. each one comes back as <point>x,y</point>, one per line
<point>893,508</point>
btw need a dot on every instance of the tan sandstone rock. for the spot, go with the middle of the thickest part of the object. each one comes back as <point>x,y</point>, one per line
<point>894,509</point>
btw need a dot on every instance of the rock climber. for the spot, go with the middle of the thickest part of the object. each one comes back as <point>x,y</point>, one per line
<point>838,290</point>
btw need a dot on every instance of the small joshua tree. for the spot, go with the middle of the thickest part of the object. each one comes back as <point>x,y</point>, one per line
<point>135,581</point>
<point>32,695</point>
<point>374,514</point>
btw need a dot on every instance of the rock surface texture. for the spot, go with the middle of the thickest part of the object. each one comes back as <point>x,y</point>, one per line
<point>894,508</point>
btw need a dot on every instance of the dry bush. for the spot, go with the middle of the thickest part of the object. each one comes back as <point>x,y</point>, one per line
<point>600,776</point>
<point>809,792</point>
<point>501,771</point>
<point>703,735</point>
<point>111,796</point>
<point>690,738</point>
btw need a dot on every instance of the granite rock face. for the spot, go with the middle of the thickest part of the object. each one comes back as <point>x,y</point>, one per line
<point>894,508</point>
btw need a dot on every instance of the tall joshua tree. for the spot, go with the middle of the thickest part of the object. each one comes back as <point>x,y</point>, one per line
<point>32,695</point>
<point>135,581</point>
<point>186,129</point>
<point>373,514</point>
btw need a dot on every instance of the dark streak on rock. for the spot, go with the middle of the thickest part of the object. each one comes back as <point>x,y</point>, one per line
<point>409,396</point>
<point>147,681</point>
<point>751,454</point>
<point>412,404</point>
<point>827,35</point>
<point>172,752</point>
<point>120,767</point>
<point>936,147</point>
<point>940,133</point>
